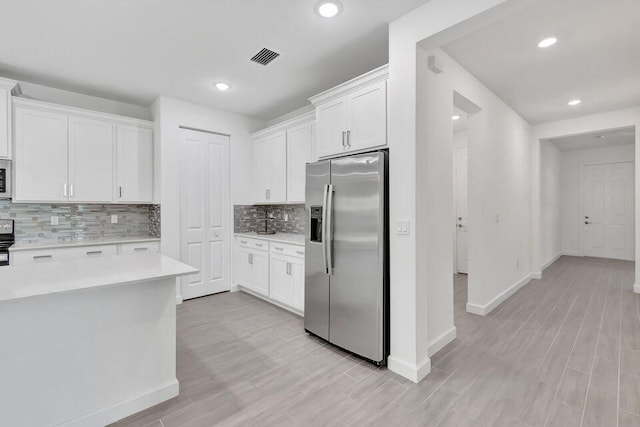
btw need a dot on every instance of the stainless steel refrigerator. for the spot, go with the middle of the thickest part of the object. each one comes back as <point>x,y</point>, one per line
<point>346,274</point>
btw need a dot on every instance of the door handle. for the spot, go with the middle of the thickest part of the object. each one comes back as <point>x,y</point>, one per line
<point>349,138</point>
<point>329,236</point>
<point>587,222</point>
<point>343,136</point>
<point>459,225</point>
<point>324,227</point>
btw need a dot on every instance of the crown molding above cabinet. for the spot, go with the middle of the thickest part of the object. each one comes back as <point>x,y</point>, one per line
<point>6,86</point>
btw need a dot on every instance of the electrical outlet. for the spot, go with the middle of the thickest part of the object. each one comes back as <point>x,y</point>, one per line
<point>114,219</point>
<point>55,220</point>
<point>402,228</point>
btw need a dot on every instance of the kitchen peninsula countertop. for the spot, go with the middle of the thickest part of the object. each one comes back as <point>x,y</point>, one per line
<point>17,247</point>
<point>48,278</point>
<point>289,238</point>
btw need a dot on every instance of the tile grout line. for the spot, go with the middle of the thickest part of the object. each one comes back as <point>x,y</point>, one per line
<point>575,340</point>
<point>595,356</point>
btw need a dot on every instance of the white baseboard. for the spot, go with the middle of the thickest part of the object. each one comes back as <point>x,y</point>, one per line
<point>536,275</point>
<point>483,310</point>
<point>234,288</point>
<point>124,408</point>
<point>408,370</point>
<point>178,299</point>
<point>636,287</point>
<point>571,253</point>
<point>443,339</point>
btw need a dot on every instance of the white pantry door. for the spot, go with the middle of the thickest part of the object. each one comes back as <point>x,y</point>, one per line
<point>462,231</point>
<point>204,194</point>
<point>608,211</point>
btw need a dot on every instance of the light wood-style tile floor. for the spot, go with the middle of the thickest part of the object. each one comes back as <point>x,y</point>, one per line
<point>563,351</point>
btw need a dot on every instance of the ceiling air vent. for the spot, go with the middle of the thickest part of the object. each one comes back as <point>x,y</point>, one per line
<point>265,56</point>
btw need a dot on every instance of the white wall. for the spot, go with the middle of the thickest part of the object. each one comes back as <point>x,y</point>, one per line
<point>170,114</point>
<point>414,257</point>
<point>498,186</point>
<point>79,100</point>
<point>550,197</point>
<point>570,207</point>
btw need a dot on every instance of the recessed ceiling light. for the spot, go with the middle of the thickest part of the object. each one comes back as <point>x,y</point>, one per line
<point>456,117</point>
<point>549,41</point>
<point>222,87</point>
<point>328,9</point>
<point>574,102</point>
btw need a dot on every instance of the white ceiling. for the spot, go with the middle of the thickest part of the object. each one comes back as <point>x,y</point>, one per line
<point>596,59</point>
<point>135,50</point>
<point>608,138</point>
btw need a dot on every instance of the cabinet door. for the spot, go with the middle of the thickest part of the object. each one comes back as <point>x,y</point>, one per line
<point>90,160</point>
<point>296,272</point>
<point>368,117</point>
<point>299,143</point>
<point>277,170</point>
<point>331,122</point>
<point>260,165</point>
<point>243,268</point>
<point>281,283</point>
<point>260,272</point>
<point>134,164</point>
<point>5,123</point>
<point>41,156</point>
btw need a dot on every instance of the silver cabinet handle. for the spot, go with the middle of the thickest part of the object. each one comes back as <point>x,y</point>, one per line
<point>259,245</point>
<point>65,190</point>
<point>289,268</point>
<point>250,258</point>
<point>278,249</point>
<point>71,190</point>
<point>120,191</point>
<point>343,136</point>
<point>300,252</point>
<point>243,242</point>
<point>93,253</point>
<point>140,249</point>
<point>349,139</point>
<point>267,194</point>
<point>37,257</point>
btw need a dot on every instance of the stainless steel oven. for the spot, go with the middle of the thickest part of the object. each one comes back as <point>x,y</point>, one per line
<point>5,179</point>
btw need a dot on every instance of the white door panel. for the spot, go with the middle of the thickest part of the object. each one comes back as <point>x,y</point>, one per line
<point>462,235</point>
<point>204,212</point>
<point>608,211</point>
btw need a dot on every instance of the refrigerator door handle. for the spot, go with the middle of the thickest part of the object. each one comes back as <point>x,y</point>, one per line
<point>329,227</point>
<point>324,228</point>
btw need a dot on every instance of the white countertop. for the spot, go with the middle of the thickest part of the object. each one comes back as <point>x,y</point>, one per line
<point>293,239</point>
<point>46,278</point>
<point>81,243</point>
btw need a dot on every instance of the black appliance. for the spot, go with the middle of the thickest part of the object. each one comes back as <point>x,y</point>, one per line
<point>7,239</point>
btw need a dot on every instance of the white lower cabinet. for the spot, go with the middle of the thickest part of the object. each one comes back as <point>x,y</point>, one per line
<point>272,270</point>
<point>287,280</point>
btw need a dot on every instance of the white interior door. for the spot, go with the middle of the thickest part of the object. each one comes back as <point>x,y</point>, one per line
<point>608,210</point>
<point>462,231</point>
<point>205,212</point>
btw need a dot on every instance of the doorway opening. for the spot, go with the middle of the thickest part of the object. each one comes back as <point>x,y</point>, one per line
<point>594,210</point>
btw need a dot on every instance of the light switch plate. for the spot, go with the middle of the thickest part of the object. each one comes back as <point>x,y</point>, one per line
<point>55,220</point>
<point>114,219</point>
<point>402,228</point>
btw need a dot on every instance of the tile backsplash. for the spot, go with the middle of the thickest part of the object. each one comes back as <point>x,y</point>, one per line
<point>80,222</point>
<point>247,218</point>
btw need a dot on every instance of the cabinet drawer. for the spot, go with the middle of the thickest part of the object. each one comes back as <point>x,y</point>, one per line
<point>45,255</point>
<point>139,248</point>
<point>245,242</point>
<point>290,250</point>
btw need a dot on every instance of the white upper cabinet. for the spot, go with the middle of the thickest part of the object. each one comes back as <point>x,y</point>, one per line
<point>270,169</point>
<point>65,154</point>
<point>280,155</point>
<point>353,116</point>
<point>41,156</point>
<point>134,164</point>
<point>91,152</point>
<point>299,153</point>
<point>5,117</point>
